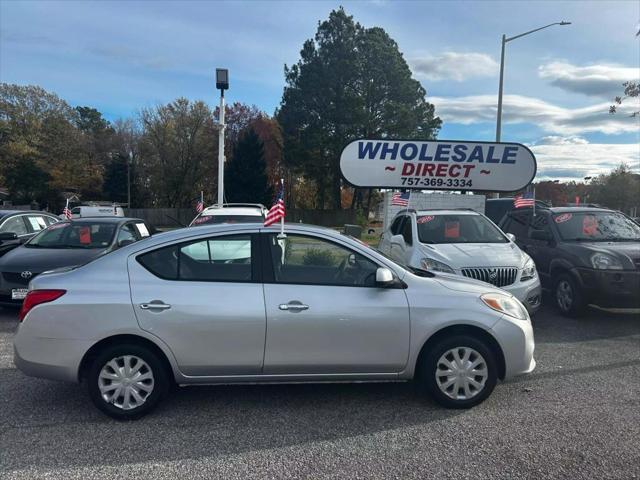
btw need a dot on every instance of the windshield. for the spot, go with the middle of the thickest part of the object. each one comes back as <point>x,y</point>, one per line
<point>596,227</point>
<point>212,219</point>
<point>448,228</point>
<point>74,235</point>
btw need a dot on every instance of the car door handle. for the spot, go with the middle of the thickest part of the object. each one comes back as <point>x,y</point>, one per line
<point>293,306</point>
<point>155,306</point>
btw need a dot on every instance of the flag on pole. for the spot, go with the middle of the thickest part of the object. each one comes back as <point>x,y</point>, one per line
<point>200,203</point>
<point>524,200</point>
<point>277,212</point>
<point>401,199</point>
<point>67,212</point>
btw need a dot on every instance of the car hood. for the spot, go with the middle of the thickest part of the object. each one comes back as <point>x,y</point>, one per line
<point>459,283</point>
<point>42,259</point>
<point>460,255</point>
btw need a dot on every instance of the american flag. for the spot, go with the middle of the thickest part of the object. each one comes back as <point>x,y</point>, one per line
<point>199,206</point>
<point>400,199</point>
<point>67,211</point>
<point>276,212</point>
<point>524,200</point>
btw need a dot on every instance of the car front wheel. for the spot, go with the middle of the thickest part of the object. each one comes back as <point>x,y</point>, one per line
<point>127,381</point>
<point>569,298</point>
<point>459,372</point>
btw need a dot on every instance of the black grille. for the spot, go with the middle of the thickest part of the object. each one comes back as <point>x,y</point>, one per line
<point>498,276</point>
<point>16,278</point>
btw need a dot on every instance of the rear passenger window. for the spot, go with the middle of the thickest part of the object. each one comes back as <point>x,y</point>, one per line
<point>396,226</point>
<point>221,259</point>
<point>518,224</point>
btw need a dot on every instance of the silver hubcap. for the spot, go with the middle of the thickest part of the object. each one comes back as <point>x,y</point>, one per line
<point>461,373</point>
<point>126,382</point>
<point>564,295</point>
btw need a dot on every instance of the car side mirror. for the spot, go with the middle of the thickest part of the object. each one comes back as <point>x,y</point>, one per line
<point>125,242</point>
<point>384,277</point>
<point>542,235</point>
<point>6,236</point>
<point>511,236</point>
<point>397,240</point>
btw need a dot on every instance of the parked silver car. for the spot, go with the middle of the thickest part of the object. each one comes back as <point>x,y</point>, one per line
<point>315,305</point>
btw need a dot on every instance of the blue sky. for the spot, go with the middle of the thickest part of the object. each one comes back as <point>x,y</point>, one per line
<point>121,56</point>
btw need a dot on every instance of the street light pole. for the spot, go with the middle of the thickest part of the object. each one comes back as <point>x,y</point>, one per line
<point>129,160</point>
<point>506,39</point>
<point>222,83</point>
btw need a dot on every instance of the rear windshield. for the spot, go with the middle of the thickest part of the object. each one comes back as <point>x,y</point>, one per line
<point>74,235</point>
<point>596,227</point>
<point>211,219</point>
<point>435,229</point>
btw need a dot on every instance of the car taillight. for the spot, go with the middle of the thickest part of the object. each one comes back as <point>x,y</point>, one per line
<point>36,297</point>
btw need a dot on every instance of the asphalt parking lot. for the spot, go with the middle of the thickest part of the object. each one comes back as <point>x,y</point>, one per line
<point>576,416</point>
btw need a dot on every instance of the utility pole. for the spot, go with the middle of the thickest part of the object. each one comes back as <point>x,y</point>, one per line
<point>222,84</point>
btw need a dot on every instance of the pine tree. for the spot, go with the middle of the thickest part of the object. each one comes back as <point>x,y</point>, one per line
<point>246,175</point>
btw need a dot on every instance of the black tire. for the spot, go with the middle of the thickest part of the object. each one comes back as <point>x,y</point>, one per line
<point>428,368</point>
<point>567,296</point>
<point>159,383</point>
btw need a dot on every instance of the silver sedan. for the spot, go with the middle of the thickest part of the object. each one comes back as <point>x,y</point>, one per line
<point>241,303</point>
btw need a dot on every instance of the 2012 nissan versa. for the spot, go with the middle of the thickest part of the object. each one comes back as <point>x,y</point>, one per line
<point>240,303</point>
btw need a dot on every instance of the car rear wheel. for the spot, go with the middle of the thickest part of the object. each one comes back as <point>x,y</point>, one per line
<point>568,296</point>
<point>127,381</point>
<point>459,372</point>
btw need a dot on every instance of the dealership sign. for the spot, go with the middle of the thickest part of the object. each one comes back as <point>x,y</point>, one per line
<point>438,165</point>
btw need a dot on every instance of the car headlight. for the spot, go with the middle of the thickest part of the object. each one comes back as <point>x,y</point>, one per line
<point>505,304</point>
<point>529,270</point>
<point>602,261</point>
<point>435,266</point>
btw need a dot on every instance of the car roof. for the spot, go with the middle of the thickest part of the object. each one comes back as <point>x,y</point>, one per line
<point>204,229</point>
<point>578,209</point>
<point>244,210</point>
<point>105,220</point>
<point>4,213</point>
<point>446,211</point>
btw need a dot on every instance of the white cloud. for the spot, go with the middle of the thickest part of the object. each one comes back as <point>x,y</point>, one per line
<point>558,140</point>
<point>549,117</point>
<point>574,161</point>
<point>604,81</point>
<point>458,66</point>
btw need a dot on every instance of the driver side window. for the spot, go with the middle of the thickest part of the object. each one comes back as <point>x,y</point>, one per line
<point>299,259</point>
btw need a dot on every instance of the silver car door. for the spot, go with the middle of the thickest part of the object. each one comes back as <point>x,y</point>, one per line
<point>204,300</point>
<point>325,314</point>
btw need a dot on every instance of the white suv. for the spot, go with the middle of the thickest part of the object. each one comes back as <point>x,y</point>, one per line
<point>230,213</point>
<point>462,242</point>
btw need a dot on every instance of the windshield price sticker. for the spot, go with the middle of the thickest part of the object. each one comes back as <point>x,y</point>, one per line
<point>438,165</point>
<point>425,219</point>
<point>563,218</point>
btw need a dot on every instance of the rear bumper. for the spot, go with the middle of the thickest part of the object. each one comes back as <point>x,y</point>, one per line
<point>50,358</point>
<point>611,288</point>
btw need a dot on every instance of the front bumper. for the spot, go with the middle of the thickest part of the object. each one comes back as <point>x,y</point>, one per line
<point>516,341</point>
<point>611,288</point>
<point>528,292</point>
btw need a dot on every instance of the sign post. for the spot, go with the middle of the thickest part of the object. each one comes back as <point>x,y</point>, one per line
<point>438,165</point>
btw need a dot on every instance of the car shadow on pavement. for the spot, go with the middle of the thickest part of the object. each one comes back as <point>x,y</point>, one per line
<point>48,424</point>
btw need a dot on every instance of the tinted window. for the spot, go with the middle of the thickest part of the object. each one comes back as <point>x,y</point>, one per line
<point>310,260</point>
<point>218,259</point>
<point>15,225</point>
<point>518,224</point>
<point>540,222</point>
<point>74,235</point>
<point>50,220</point>
<point>439,228</point>
<point>407,231</point>
<point>396,226</point>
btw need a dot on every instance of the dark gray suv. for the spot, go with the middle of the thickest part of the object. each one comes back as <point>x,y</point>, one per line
<point>583,255</point>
